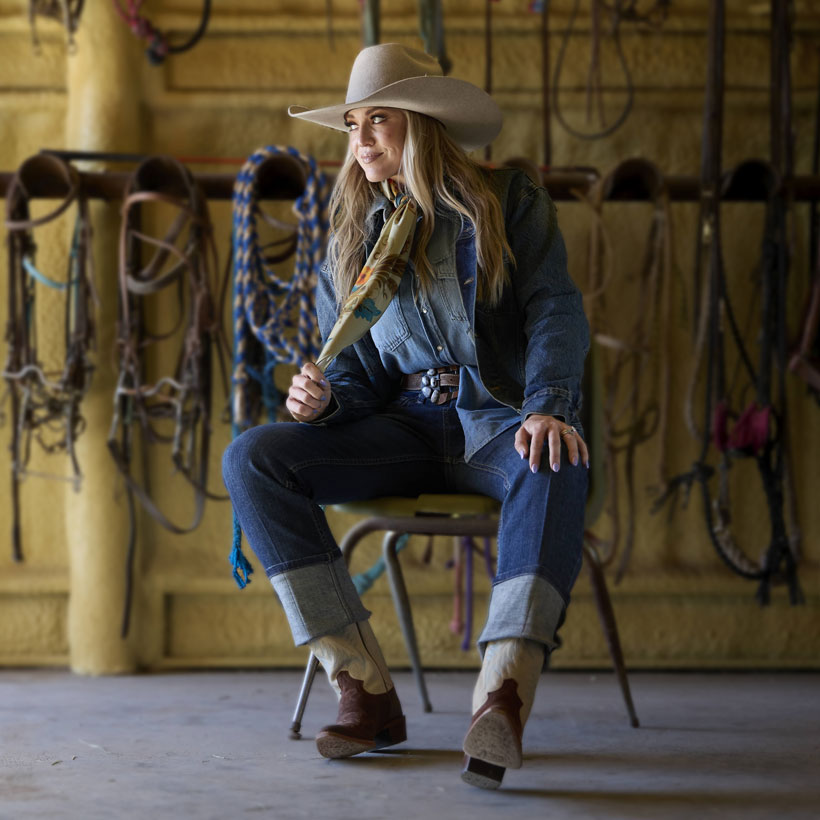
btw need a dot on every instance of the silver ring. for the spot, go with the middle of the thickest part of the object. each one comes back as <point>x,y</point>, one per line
<point>568,431</point>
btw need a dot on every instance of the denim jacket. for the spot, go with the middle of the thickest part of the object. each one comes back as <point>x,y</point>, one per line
<point>530,347</point>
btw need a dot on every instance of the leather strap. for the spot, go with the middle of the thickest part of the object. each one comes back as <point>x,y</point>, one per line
<point>636,382</point>
<point>438,385</point>
<point>183,259</point>
<point>414,382</point>
<point>45,406</point>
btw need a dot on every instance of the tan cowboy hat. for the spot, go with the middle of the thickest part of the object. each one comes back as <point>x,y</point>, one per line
<point>396,76</point>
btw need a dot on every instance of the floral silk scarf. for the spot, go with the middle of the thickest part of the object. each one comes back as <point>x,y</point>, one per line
<point>379,279</point>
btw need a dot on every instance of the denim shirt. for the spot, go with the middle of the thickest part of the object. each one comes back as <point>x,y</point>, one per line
<point>420,330</point>
<point>529,348</point>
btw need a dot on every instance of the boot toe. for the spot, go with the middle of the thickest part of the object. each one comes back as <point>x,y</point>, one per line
<point>348,740</point>
<point>334,742</point>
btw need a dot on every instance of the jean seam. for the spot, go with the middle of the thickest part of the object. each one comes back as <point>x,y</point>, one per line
<point>317,559</point>
<point>252,500</point>
<point>339,594</point>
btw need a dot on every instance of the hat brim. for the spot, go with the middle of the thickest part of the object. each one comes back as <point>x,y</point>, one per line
<point>470,115</point>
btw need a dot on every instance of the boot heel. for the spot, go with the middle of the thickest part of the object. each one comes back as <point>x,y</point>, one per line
<point>482,774</point>
<point>393,733</point>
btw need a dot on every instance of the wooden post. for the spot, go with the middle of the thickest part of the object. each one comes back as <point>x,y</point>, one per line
<point>104,82</point>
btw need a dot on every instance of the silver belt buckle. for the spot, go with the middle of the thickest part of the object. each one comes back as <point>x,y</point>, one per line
<point>431,385</point>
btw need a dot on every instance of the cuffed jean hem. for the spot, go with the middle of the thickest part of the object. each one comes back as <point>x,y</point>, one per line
<point>526,606</point>
<point>318,599</point>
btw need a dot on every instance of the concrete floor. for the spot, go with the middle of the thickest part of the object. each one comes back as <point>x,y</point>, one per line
<point>215,745</point>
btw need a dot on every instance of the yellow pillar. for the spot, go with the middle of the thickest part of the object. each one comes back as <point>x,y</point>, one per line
<point>103,115</point>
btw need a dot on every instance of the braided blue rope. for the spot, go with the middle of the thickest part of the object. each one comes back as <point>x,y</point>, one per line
<point>267,308</point>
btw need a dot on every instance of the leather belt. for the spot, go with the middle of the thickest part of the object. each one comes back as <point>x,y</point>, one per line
<point>431,383</point>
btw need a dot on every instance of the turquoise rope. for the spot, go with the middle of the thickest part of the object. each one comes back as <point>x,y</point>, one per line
<point>364,580</point>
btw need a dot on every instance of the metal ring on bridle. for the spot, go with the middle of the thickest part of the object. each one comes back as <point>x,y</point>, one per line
<point>568,431</point>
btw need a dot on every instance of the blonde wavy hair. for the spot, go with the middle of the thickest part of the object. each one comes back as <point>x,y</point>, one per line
<point>437,172</point>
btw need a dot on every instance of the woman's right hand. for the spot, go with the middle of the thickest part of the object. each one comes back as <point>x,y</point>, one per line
<point>309,394</point>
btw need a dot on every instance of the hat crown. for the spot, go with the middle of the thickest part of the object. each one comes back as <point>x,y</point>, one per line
<point>382,65</point>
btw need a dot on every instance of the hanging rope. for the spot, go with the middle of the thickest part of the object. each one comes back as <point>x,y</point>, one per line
<point>274,318</point>
<point>158,46</point>
<point>619,11</point>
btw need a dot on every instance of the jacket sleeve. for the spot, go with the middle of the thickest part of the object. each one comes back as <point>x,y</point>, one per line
<point>360,386</point>
<point>554,324</point>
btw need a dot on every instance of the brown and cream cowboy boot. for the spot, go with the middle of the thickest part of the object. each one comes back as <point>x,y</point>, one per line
<point>370,715</point>
<point>502,701</point>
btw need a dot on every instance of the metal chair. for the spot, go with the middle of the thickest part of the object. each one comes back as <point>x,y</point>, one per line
<point>456,515</point>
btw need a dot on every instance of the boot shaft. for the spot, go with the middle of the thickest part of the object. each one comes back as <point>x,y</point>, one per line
<point>356,651</point>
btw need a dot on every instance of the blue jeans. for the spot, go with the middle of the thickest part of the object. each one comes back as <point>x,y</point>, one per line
<point>279,475</point>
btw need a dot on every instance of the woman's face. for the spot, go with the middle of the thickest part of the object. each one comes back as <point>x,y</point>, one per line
<point>377,141</point>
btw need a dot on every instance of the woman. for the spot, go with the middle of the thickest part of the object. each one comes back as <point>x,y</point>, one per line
<point>467,379</point>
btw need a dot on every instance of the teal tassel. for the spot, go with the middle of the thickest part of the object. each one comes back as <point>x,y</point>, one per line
<point>364,580</point>
<point>242,569</point>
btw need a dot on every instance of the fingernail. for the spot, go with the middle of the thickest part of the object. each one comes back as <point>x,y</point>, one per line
<point>534,468</point>
<point>556,467</point>
<point>324,399</point>
<point>575,461</point>
<point>323,382</point>
<point>522,453</point>
<point>586,464</point>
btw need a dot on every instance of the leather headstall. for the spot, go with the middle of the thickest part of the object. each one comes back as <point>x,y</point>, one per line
<point>45,402</point>
<point>633,359</point>
<point>173,405</point>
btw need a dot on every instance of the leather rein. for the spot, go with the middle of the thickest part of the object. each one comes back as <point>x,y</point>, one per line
<point>45,404</point>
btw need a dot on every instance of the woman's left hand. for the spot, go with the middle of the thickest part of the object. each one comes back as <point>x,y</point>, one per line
<point>538,430</point>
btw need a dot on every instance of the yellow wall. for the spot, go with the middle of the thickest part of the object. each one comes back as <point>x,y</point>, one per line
<point>677,606</point>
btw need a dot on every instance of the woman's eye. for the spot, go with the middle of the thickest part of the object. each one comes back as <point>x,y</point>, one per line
<point>351,126</point>
<point>376,118</point>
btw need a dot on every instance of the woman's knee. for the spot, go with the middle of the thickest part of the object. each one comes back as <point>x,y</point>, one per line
<point>254,452</point>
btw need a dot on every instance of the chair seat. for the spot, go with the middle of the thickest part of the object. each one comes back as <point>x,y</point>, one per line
<point>459,505</point>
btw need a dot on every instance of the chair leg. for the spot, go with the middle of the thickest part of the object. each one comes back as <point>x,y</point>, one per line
<point>402,603</point>
<point>607,616</point>
<point>347,546</point>
<point>304,692</point>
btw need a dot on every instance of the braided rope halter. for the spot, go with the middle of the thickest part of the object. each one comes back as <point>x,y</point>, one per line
<point>274,318</point>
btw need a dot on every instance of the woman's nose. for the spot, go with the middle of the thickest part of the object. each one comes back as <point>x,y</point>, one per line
<point>364,134</point>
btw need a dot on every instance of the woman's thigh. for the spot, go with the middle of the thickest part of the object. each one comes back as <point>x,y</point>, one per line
<point>542,513</point>
<point>382,454</point>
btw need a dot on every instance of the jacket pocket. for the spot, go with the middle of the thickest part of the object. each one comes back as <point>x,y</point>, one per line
<point>448,286</point>
<point>390,330</point>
